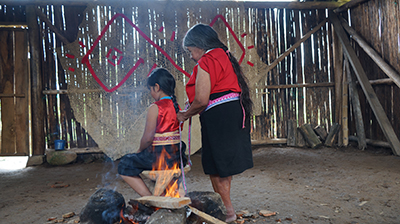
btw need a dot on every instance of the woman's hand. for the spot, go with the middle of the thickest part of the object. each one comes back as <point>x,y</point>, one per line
<point>202,95</point>
<point>181,116</point>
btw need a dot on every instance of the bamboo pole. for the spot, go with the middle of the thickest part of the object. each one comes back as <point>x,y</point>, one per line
<point>292,48</point>
<point>386,68</point>
<point>38,107</point>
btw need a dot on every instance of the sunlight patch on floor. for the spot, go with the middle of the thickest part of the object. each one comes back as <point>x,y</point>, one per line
<point>12,163</point>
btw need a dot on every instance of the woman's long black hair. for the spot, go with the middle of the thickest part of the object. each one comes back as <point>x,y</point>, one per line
<point>204,37</point>
<point>166,81</point>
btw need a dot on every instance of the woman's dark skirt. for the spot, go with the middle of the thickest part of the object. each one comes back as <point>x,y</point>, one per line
<point>134,164</point>
<point>226,146</point>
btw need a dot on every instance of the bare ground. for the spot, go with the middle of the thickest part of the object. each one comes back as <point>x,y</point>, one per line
<point>302,185</point>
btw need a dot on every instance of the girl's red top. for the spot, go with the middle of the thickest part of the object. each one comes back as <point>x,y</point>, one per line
<point>167,120</point>
<point>222,76</point>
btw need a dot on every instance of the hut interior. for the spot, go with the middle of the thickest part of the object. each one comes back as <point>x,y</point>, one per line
<point>322,74</point>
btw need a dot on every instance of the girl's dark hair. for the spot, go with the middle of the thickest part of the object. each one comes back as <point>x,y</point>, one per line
<point>204,37</point>
<point>166,81</point>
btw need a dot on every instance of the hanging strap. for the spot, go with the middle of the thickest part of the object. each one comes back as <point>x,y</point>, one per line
<point>180,148</point>
<point>180,152</point>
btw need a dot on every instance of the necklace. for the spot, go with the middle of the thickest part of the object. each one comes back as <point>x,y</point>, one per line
<point>166,97</point>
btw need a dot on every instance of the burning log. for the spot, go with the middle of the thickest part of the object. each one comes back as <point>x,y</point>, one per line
<point>164,202</point>
<point>163,178</point>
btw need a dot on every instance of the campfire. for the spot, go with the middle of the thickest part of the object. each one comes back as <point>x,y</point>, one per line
<point>168,203</point>
<point>166,177</point>
<point>167,194</point>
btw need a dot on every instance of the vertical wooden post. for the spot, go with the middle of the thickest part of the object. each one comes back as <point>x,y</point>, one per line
<point>338,68</point>
<point>345,104</point>
<point>370,94</point>
<point>291,132</point>
<point>355,102</point>
<point>37,96</point>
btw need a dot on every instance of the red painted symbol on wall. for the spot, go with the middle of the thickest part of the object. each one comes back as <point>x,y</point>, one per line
<point>231,32</point>
<point>114,55</point>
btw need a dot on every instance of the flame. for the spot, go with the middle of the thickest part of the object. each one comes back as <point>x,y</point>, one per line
<point>124,219</point>
<point>172,189</point>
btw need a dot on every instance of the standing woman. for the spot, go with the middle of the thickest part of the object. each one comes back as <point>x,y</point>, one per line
<point>217,90</point>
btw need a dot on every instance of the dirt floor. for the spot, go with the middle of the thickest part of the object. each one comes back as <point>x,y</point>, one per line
<point>302,185</point>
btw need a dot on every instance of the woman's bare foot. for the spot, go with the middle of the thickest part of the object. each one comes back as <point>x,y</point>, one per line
<point>230,218</point>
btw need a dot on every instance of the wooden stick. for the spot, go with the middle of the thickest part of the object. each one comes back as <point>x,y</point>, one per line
<point>369,92</point>
<point>214,3</point>
<point>12,95</point>
<point>371,142</point>
<point>345,104</point>
<point>270,141</point>
<point>349,5</point>
<point>208,218</point>
<point>163,178</point>
<point>291,133</point>
<point>338,70</point>
<point>386,68</point>
<point>51,26</point>
<point>307,85</point>
<point>387,81</point>
<point>164,202</point>
<point>292,48</point>
<point>355,101</point>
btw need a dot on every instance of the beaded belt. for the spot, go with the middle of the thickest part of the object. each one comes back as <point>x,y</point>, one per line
<point>224,99</point>
<point>167,138</point>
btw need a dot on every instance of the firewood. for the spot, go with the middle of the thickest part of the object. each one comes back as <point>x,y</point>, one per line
<point>208,218</point>
<point>332,134</point>
<point>310,136</point>
<point>163,178</point>
<point>321,132</point>
<point>164,202</point>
